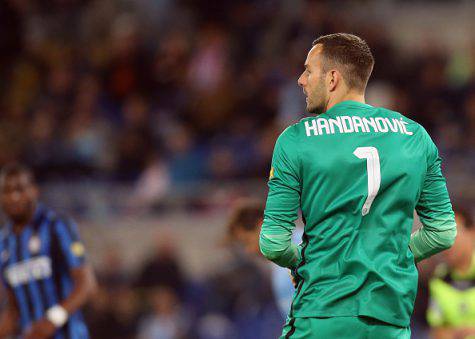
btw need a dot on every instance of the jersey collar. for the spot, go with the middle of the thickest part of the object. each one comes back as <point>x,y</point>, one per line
<point>347,103</point>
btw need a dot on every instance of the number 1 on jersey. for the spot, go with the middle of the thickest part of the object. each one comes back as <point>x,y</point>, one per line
<point>374,174</point>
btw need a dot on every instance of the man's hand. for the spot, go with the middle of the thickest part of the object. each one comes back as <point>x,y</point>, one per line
<point>41,329</point>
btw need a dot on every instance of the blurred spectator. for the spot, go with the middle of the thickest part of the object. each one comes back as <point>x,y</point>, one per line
<point>216,326</point>
<point>166,319</point>
<point>185,156</point>
<point>152,185</point>
<point>125,312</point>
<point>112,271</point>
<point>108,96</point>
<point>99,314</point>
<point>114,313</point>
<point>240,293</point>
<point>451,313</point>
<point>162,268</point>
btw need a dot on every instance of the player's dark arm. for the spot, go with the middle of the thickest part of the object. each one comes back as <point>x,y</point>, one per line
<point>85,285</point>
<point>283,202</point>
<point>9,317</point>
<point>73,252</point>
<point>56,316</point>
<point>438,229</point>
<point>68,245</point>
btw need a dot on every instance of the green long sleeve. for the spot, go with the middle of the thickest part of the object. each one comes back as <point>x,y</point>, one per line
<point>435,211</point>
<point>283,202</point>
<point>427,242</point>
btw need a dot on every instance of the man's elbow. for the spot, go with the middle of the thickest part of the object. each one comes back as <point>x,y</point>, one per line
<point>269,251</point>
<point>87,282</point>
<point>270,254</point>
<point>449,238</point>
<point>265,250</point>
<point>92,284</point>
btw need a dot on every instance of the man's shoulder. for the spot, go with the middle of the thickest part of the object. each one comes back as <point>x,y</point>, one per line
<point>45,213</point>
<point>386,112</point>
<point>295,130</point>
<point>52,218</point>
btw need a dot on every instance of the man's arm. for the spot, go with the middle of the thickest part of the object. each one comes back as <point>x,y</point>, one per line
<point>84,283</point>
<point>84,286</point>
<point>283,202</point>
<point>9,317</point>
<point>438,229</point>
<point>73,252</point>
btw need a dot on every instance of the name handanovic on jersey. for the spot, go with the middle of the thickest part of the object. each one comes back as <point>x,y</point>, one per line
<point>355,124</point>
<point>28,270</point>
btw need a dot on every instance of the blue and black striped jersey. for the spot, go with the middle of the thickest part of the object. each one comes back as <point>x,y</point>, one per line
<point>35,265</point>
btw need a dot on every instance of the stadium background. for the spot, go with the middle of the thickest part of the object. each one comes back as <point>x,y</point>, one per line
<point>147,119</point>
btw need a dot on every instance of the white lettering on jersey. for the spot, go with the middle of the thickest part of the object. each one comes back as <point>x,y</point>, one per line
<point>323,123</point>
<point>394,126</point>
<point>382,125</point>
<point>347,128</point>
<point>403,125</point>
<point>355,124</point>
<point>28,270</point>
<point>370,122</point>
<point>336,122</point>
<point>358,123</point>
<point>309,128</point>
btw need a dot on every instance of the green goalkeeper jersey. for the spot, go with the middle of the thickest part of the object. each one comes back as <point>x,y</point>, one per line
<point>357,173</point>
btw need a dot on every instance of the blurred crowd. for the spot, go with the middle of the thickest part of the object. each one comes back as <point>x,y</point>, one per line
<point>172,92</point>
<point>166,93</point>
<point>160,301</point>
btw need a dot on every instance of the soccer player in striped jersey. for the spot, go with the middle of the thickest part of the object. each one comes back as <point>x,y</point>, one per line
<point>357,172</point>
<point>42,265</point>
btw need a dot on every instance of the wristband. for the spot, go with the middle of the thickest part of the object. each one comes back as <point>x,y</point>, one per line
<point>57,315</point>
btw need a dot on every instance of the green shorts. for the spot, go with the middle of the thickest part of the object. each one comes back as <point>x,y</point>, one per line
<point>341,328</point>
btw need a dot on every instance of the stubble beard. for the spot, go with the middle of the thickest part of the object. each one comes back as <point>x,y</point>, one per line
<point>319,102</point>
<point>318,107</point>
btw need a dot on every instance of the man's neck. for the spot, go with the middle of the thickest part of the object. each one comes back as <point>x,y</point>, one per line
<point>358,97</point>
<point>20,224</point>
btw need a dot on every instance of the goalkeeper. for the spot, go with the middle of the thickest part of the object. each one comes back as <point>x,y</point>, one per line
<point>358,173</point>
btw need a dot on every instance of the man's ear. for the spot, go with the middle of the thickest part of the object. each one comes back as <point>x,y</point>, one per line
<point>333,79</point>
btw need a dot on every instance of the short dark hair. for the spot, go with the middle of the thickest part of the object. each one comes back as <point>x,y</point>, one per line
<point>246,215</point>
<point>466,216</point>
<point>351,53</point>
<point>16,169</point>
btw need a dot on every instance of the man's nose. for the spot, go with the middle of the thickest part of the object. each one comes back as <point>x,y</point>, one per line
<point>300,80</point>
